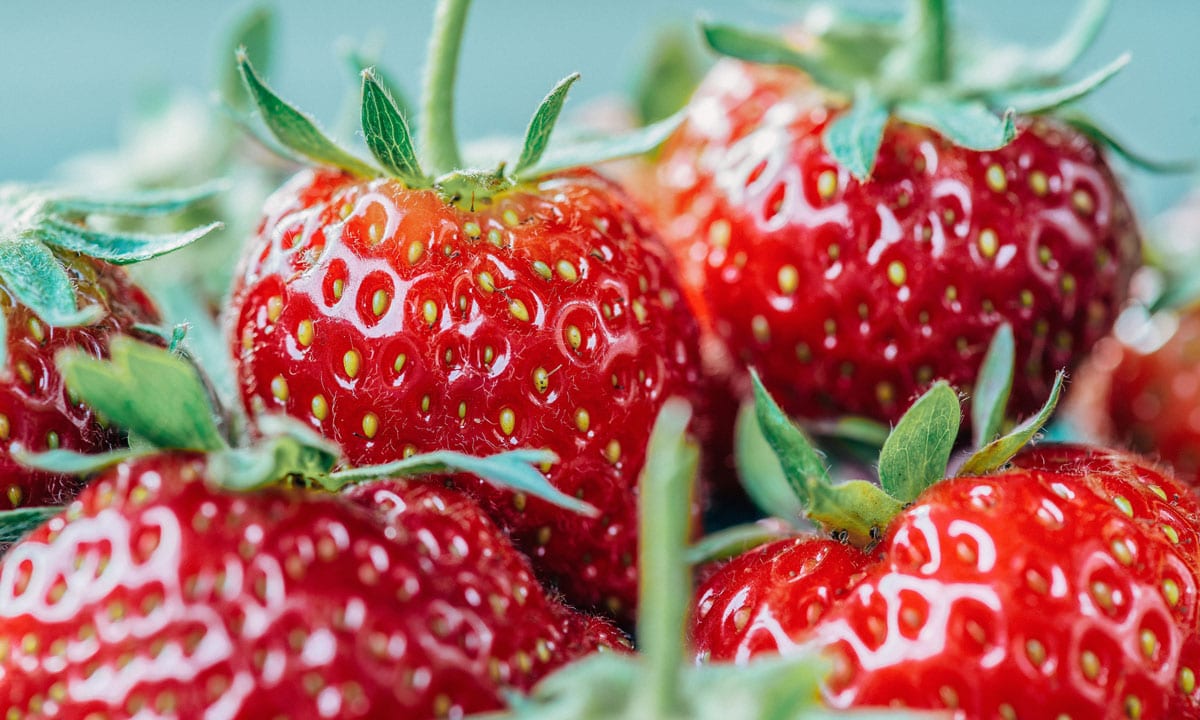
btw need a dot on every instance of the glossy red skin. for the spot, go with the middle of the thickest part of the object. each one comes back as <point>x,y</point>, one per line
<point>623,369</point>
<point>978,570</point>
<point>842,301</point>
<point>35,412</point>
<point>762,599</point>
<point>1149,401</point>
<point>405,601</point>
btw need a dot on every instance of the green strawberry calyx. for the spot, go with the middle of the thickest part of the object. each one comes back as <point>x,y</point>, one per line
<point>914,456</point>
<point>41,227</point>
<point>916,69</point>
<point>162,401</point>
<point>658,681</point>
<point>434,160</point>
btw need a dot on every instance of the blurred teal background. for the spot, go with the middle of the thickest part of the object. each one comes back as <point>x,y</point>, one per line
<point>70,72</point>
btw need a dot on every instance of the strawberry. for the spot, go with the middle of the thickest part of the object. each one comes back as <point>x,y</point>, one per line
<point>472,310</point>
<point>763,598</point>
<point>1148,399</point>
<point>180,582</point>
<point>859,222</point>
<point>1141,388</point>
<point>61,287</point>
<point>1061,581</point>
<point>407,601</point>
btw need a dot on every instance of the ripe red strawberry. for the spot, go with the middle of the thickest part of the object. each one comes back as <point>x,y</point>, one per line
<point>154,592</point>
<point>1141,388</point>
<point>763,598</point>
<point>1148,400</point>
<point>474,311</point>
<point>854,252</point>
<point>1060,581</point>
<point>60,288</point>
<point>1066,585</point>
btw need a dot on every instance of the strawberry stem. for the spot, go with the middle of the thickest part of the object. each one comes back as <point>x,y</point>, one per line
<point>665,576</point>
<point>934,36</point>
<point>438,142</point>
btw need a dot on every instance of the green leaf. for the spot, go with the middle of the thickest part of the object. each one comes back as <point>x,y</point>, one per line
<point>853,139</point>
<point>140,204</point>
<point>387,133</point>
<point>733,541</point>
<point>768,49</point>
<point>915,454</point>
<point>968,124</point>
<point>1000,451</point>
<point>295,130</point>
<point>253,31</point>
<point>16,524</point>
<point>993,386</point>
<point>513,470</point>
<point>69,462</point>
<point>583,153</point>
<point>759,471</point>
<point>665,489</point>
<point>33,274</point>
<point>145,390</point>
<point>541,125</point>
<point>1041,100</point>
<point>1085,125</point>
<point>118,248</point>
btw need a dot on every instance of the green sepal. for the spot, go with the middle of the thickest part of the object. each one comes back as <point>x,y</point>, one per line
<point>145,390</point>
<point>358,60</point>
<point>69,462</point>
<point>853,139</point>
<point>16,524</point>
<point>541,125</point>
<point>769,49</point>
<point>993,386</point>
<point>800,462</point>
<point>387,133</point>
<point>295,130</point>
<point>604,685</point>
<point>857,510</point>
<point>515,470</point>
<point>118,248</point>
<point>585,152</point>
<point>916,453</point>
<point>668,76</point>
<point>289,450</point>
<point>1017,66</point>
<point>733,541</point>
<point>759,471</point>
<point>33,274</point>
<point>1041,100</point>
<point>147,203</point>
<point>968,124</point>
<point>253,31</point>
<point>998,452</point>
<point>852,428</point>
<point>1099,135</point>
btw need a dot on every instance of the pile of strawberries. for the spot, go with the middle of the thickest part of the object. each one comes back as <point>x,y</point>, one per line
<point>427,484</point>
